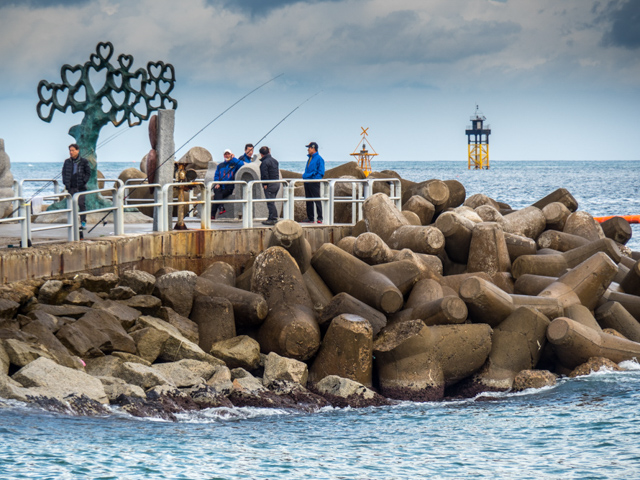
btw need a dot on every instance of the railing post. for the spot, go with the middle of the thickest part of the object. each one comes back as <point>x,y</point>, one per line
<point>70,236</point>
<point>75,216</point>
<point>118,213</point>
<point>292,202</point>
<point>25,230</point>
<point>163,226</point>
<point>206,207</point>
<point>249,215</point>
<point>332,197</point>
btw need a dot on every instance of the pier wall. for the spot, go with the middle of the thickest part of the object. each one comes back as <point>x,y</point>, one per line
<point>191,250</point>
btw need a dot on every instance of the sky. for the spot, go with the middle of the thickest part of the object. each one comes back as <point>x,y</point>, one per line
<point>555,79</point>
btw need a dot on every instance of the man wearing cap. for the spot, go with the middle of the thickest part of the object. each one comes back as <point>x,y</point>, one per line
<point>313,170</point>
<point>269,171</point>
<point>225,172</point>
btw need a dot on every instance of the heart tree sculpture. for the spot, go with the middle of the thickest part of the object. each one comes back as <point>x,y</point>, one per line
<point>123,94</point>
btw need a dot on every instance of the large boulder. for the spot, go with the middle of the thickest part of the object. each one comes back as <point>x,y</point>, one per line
<point>176,291</point>
<point>282,369</point>
<point>238,352</point>
<point>45,377</point>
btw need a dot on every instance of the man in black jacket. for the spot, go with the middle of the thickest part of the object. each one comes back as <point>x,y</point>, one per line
<point>75,175</point>
<point>269,171</point>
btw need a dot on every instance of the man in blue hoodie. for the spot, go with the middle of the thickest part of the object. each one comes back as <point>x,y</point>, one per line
<point>313,170</point>
<point>225,172</point>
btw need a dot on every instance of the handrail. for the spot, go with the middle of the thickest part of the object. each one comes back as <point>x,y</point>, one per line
<point>117,210</point>
<point>284,199</point>
<point>23,218</point>
<point>209,201</point>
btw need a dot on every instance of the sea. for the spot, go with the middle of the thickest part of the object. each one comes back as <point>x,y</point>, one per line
<point>581,428</point>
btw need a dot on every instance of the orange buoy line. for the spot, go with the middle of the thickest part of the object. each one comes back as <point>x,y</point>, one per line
<point>628,218</point>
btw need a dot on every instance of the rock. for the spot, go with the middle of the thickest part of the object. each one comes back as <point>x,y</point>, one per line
<point>145,304</point>
<point>45,377</point>
<point>82,297</point>
<point>52,292</point>
<point>8,308</point>
<point>6,181</point>
<point>125,314</point>
<point>114,387</point>
<point>4,360</point>
<point>178,375</point>
<point>12,390</point>
<point>107,366</point>
<point>279,369</point>
<point>50,342</point>
<point>188,328</point>
<point>103,330</point>
<point>206,397</point>
<point>594,364</point>
<point>220,382</point>
<point>122,293</point>
<point>176,291</point>
<point>214,316</point>
<point>149,342</point>
<point>344,392</point>
<point>200,369</point>
<point>241,351</point>
<point>100,283</point>
<point>533,379</point>
<point>142,376</point>
<point>49,321</point>
<point>72,311</point>
<point>129,357</point>
<point>140,282</point>
<point>21,353</point>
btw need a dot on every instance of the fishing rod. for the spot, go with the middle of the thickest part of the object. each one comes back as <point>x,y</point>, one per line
<point>276,126</point>
<point>188,141</point>
<point>287,116</point>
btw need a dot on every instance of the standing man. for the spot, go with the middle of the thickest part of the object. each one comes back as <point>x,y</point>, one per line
<point>248,156</point>
<point>313,170</point>
<point>75,175</point>
<point>225,172</point>
<point>269,171</point>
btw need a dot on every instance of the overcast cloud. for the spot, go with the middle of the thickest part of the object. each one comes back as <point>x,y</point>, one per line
<point>406,57</point>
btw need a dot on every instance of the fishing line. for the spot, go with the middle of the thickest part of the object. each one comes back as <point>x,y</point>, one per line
<point>188,141</point>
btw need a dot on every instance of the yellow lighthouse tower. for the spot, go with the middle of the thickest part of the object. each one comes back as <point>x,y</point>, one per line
<point>364,156</point>
<point>478,141</point>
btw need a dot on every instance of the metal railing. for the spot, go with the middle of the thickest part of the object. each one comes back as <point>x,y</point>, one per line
<point>163,202</point>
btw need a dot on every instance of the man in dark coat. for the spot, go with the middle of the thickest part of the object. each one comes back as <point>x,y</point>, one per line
<point>75,175</point>
<point>269,171</point>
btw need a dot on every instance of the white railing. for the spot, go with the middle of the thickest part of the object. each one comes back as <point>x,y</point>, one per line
<point>163,202</point>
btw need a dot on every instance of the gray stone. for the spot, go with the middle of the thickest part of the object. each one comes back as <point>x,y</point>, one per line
<point>188,328</point>
<point>178,375</point>
<point>107,366</point>
<point>4,360</point>
<point>51,322</point>
<point>100,283</point>
<point>45,377</point>
<point>106,323</point>
<point>11,389</point>
<point>71,311</point>
<point>82,297</point>
<point>139,281</point>
<point>220,382</point>
<point>277,368</point>
<point>8,308</point>
<point>125,314</point>
<point>176,291</point>
<point>114,387</point>
<point>145,304</point>
<point>121,293</point>
<point>141,375</point>
<point>51,292</point>
<point>201,369</point>
<point>149,342</point>
<point>50,342</point>
<point>129,357</point>
<point>343,388</point>
<point>21,353</point>
<point>248,385</point>
<point>241,351</point>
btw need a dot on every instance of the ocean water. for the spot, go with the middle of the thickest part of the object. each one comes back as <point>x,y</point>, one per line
<point>581,428</point>
<point>600,187</point>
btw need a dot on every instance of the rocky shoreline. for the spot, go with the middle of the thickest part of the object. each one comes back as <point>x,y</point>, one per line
<point>449,297</point>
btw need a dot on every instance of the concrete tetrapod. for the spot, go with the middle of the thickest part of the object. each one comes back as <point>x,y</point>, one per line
<point>574,344</point>
<point>220,272</point>
<point>289,235</point>
<point>486,302</point>
<point>318,290</point>
<point>548,306</point>
<point>345,273</point>
<point>631,282</point>
<point>585,283</point>
<point>584,225</point>
<point>426,290</point>
<point>561,241</point>
<point>528,222</point>
<point>371,249</point>
<point>488,249</point>
<point>617,229</point>
<point>529,284</point>
<point>404,274</point>
<point>448,310</point>
<point>290,329</point>
<point>457,231</point>
<point>518,245</point>
<point>516,345</point>
<point>249,309</point>
<point>416,362</point>
<point>421,207</point>
<point>419,239</point>
<point>555,264</point>
<point>556,214</point>
<point>381,216</point>
<point>214,316</point>
<point>561,195</point>
<point>613,315</point>
<point>343,303</point>
<point>346,351</point>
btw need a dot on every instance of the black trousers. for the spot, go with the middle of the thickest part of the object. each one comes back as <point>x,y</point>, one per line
<point>312,190</point>
<point>81,202</point>
<point>220,194</point>
<point>271,191</point>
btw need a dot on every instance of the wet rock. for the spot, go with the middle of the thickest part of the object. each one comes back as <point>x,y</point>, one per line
<point>141,375</point>
<point>220,381</point>
<point>206,397</point>
<point>45,377</point>
<point>281,369</point>
<point>594,364</point>
<point>114,387</point>
<point>344,392</point>
<point>178,375</point>
<point>238,352</point>
<point>72,404</point>
<point>533,379</point>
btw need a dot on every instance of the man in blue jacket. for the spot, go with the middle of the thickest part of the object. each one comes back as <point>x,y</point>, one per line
<point>225,172</point>
<point>313,170</point>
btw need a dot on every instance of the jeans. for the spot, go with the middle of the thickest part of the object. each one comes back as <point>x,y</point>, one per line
<point>312,190</point>
<point>271,191</point>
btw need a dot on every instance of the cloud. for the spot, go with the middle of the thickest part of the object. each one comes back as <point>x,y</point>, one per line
<point>42,3</point>
<point>256,8</point>
<point>625,25</point>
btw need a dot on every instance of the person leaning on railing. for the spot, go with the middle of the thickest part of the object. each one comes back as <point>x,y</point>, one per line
<point>269,171</point>
<point>76,172</point>
<point>225,172</point>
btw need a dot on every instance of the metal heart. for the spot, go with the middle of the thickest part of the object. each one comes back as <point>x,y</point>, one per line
<point>117,99</point>
<point>97,78</point>
<point>125,61</point>
<point>60,96</point>
<point>137,81</point>
<point>47,115</point>
<point>115,80</point>
<point>45,92</point>
<point>104,50</point>
<point>155,69</point>
<point>71,76</point>
<point>96,61</point>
